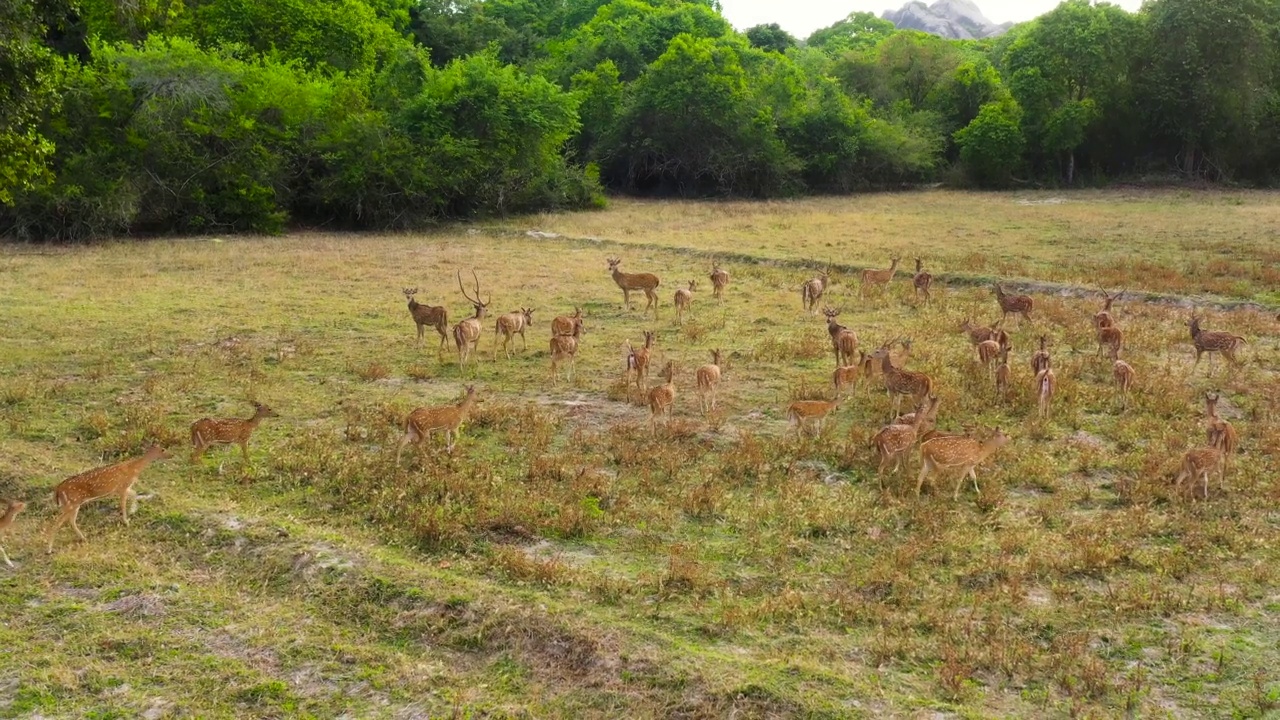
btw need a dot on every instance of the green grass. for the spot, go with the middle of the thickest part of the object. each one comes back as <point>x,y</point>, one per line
<point>566,561</point>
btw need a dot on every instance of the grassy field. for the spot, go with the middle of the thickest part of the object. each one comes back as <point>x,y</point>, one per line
<point>569,561</point>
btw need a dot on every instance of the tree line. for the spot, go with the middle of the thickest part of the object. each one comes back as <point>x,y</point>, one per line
<point>248,115</point>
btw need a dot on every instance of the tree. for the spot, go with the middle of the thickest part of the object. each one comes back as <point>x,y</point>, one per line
<point>991,145</point>
<point>28,90</point>
<point>857,31</point>
<point>771,37</point>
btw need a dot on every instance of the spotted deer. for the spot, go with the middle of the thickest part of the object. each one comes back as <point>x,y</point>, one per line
<point>1040,360</point>
<point>466,334</point>
<point>719,281</point>
<point>663,397</point>
<point>1123,375</point>
<point>565,348</point>
<point>979,335</point>
<point>116,479</point>
<point>988,351</point>
<point>708,377</point>
<point>646,282</point>
<point>684,298</point>
<point>568,324</point>
<point>843,340</point>
<point>811,292</point>
<point>1208,341</point>
<point>804,413</point>
<point>901,382</point>
<point>921,281</point>
<point>1110,340</point>
<point>445,418</point>
<point>1103,318</point>
<point>1003,373</point>
<point>510,325</point>
<point>880,279</point>
<point>947,452</point>
<point>1016,304</point>
<point>1198,464</point>
<point>1046,383</point>
<point>12,508</point>
<point>848,375</point>
<point>1219,432</point>
<point>424,316</point>
<point>893,442</point>
<point>207,432</point>
<point>638,358</point>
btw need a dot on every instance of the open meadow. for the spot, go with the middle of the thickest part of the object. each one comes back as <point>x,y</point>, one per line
<point>571,558</point>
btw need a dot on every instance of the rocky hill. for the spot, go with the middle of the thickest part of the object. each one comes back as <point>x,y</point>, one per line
<point>954,19</point>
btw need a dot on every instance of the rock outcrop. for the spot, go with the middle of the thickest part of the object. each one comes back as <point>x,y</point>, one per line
<point>953,19</point>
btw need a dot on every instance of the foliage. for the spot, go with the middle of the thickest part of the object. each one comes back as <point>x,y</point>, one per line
<point>771,37</point>
<point>858,31</point>
<point>991,145</point>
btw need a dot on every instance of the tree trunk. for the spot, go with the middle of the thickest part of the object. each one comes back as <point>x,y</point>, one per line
<point>1071,167</point>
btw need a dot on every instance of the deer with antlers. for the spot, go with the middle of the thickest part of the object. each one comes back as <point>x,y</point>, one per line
<point>843,340</point>
<point>510,325</point>
<point>116,479</point>
<point>425,316</point>
<point>947,452</point>
<point>1220,433</point>
<point>1046,383</point>
<point>1123,375</point>
<point>466,334</point>
<point>893,442</point>
<point>663,397</point>
<point>683,299</point>
<point>1198,464</point>
<point>1110,340</point>
<point>708,377</point>
<point>872,278</point>
<point>1103,318</point>
<point>645,282</point>
<point>811,292</point>
<point>719,281</point>
<point>565,348</point>
<point>1016,304</point>
<point>207,432</point>
<point>921,281</point>
<point>447,419</point>
<point>1208,341</point>
<point>12,508</point>
<point>638,358</point>
<point>568,324</point>
<point>901,382</point>
<point>805,413</point>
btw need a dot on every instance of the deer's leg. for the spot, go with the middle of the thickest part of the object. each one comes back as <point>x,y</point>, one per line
<point>57,523</point>
<point>626,299</point>
<point>75,515</point>
<point>5,556</point>
<point>524,341</point>
<point>926,467</point>
<point>244,450</point>
<point>421,328</point>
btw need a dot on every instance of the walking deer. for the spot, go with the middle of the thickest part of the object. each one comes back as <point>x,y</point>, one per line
<point>1197,464</point>
<point>207,432</point>
<point>811,292</point>
<point>708,377</point>
<point>1220,433</point>
<point>878,278</point>
<point>116,479</point>
<point>663,397</point>
<point>646,282</point>
<point>719,281</point>
<point>565,347</point>
<point>568,324</point>
<point>425,316</point>
<point>638,358</point>
<point>901,382</point>
<point>12,509</point>
<point>921,281</point>
<point>1123,375</point>
<point>946,452</point>
<point>684,298</point>
<point>1017,304</point>
<point>446,418</point>
<point>510,325</point>
<point>895,441</point>
<point>1207,341</point>
<point>802,413</point>
<point>1046,383</point>
<point>466,334</point>
<point>843,340</point>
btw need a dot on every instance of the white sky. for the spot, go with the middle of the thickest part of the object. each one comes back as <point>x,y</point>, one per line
<point>802,17</point>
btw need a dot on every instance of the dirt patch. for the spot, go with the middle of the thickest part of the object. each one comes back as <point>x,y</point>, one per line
<point>593,413</point>
<point>141,605</point>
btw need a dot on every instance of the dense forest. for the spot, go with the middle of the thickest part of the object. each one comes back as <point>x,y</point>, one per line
<point>215,115</point>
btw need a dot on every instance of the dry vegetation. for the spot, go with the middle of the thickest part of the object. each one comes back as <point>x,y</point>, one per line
<point>568,560</point>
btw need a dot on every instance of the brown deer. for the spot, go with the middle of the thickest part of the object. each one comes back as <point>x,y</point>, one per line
<point>445,418</point>
<point>979,335</point>
<point>663,397</point>
<point>843,340</point>
<point>207,432</point>
<point>428,316</point>
<point>1207,341</point>
<point>684,298</point>
<point>1197,464</point>
<point>893,442</point>
<point>466,334</point>
<point>1017,304</point>
<point>638,359</point>
<point>719,281</point>
<point>646,282</point>
<point>1220,433</point>
<point>988,351</point>
<point>1003,373</point>
<point>811,292</point>
<point>802,413</point>
<point>117,479</point>
<point>878,278</point>
<point>1110,340</point>
<point>565,347</point>
<point>1123,375</point>
<point>847,375</point>
<point>921,281</point>
<point>1103,318</point>
<point>1040,360</point>
<point>6,521</point>
<point>708,377</point>
<point>510,325</point>
<point>945,452</point>
<point>568,324</point>
<point>901,382</point>
<point>1046,383</point>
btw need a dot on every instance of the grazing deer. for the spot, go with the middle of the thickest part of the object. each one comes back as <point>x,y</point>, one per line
<point>1017,304</point>
<point>843,340</point>
<point>565,347</point>
<point>466,334</point>
<point>1040,360</point>
<point>1046,384</point>
<point>428,315</point>
<point>708,377</point>
<point>1110,339</point>
<point>901,382</point>
<point>893,442</point>
<point>988,351</point>
<point>663,397</point>
<point>719,281</point>
<point>921,281</point>
<point>1220,433</point>
<point>1103,318</point>
<point>509,326</point>
<point>569,324</point>
<point>207,432</point>
<point>646,282</point>
<point>878,278</point>
<point>1197,464</point>
<point>1003,372</point>
<point>944,452</point>
<point>978,334</point>
<point>117,479</point>
<point>1123,375</point>
<point>6,521</point>
<point>811,292</point>
<point>638,359</point>
<point>684,298</point>
<point>1207,341</point>
<point>810,412</point>
<point>446,418</point>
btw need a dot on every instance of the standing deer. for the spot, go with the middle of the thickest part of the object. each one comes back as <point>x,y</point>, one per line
<point>957,451</point>
<point>810,412</point>
<point>988,351</point>
<point>901,382</point>
<point>6,521</point>
<point>1197,464</point>
<point>646,282</point>
<point>684,298</point>
<point>510,325</point>
<point>1017,304</point>
<point>1103,318</point>
<point>811,292</point>
<point>1207,341</point>
<point>638,359</point>
<point>893,442</point>
<point>568,324</point>
<point>848,375</point>
<point>117,479</point>
<point>878,278</point>
<point>1003,373</point>
<point>1046,383</point>
<point>1110,339</point>
<point>466,334</point>
<point>921,281</point>
<point>982,334</point>
<point>843,340</point>
<point>446,418</point>
<point>428,315</point>
<point>1040,360</point>
<point>719,281</point>
<point>708,377</point>
<point>663,397</point>
<point>1220,433</point>
<point>207,432</point>
<point>565,347</point>
<point>1123,375</point>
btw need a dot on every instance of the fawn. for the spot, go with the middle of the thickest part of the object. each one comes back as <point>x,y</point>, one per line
<point>466,334</point>
<point>844,340</point>
<point>568,324</point>
<point>921,281</point>
<point>810,412</point>
<point>1046,383</point>
<point>207,432</point>
<point>565,347</point>
<point>510,325</point>
<point>6,521</point>
<point>708,377</point>
<point>446,418</point>
<point>719,281</point>
<point>428,315</point>
<point>1017,304</point>
<point>684,298</point>
<point>1197,464</point>
<point>638,359</point>
<point>1220,433</point>
<point>1123,375</point>
<point>878,278</point>
<point>1003,372</point>
<point>957,451</point>
<point>811,292</point>
<point>646,282</point>
<point>116,479</point>
<point>663,397</point>
<point>849,375</point>
<point>893,442</point>
<point>1207,341</point>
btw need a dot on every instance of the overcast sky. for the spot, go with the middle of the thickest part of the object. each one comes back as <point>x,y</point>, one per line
<point>802,17</point>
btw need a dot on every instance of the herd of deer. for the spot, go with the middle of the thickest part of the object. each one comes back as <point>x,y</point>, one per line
<point>893,442</point>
